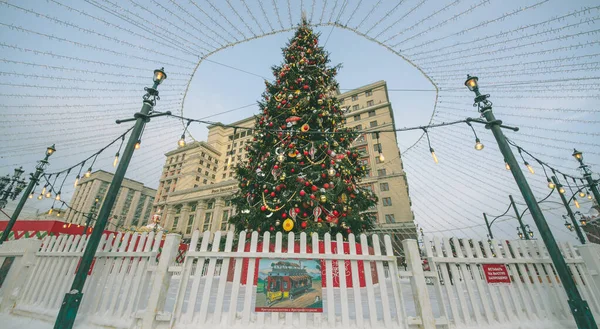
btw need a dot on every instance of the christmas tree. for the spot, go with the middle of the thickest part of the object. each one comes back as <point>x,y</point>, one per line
<point>302,174</point>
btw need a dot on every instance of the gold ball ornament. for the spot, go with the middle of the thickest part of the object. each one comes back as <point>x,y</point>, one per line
<point>288,225</point>
<point>280,158</point>
<point>277,222</point>
<point>323,198</point>
<point>331,172</point>
<point>320,102</point>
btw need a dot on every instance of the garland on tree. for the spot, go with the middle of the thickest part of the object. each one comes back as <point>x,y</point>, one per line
<point>295,179</point>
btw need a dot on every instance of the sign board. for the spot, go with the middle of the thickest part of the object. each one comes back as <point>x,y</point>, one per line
<point>288,285</point>
<point>496,273</point>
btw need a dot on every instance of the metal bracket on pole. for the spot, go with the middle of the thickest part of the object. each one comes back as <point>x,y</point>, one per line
<point>144,116</point>
<point>489,124</point>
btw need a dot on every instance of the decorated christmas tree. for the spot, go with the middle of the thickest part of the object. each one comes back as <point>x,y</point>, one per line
<point>302,173</point>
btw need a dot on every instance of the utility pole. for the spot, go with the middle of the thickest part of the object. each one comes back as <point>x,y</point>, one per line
<point>39,169</point>
<point>579,307</point>
<point>525,232</point>
<point>569,211</point>
<point>587,174</point>
<point>72,300</point>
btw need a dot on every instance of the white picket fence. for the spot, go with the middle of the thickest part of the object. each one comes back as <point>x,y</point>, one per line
<point>134,284</point>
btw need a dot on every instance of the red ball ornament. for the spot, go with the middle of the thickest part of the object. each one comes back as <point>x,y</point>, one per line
<point>307,184</point>
<point>266,190</point>
<point>292,170</point>
<point>312,196</point>
<point>326,186</point>
<point>278,189</point>
<point>305,153</point>
<point>303,225</point>
<point>302,193</point>
<point>272,194</point>
<point>314,188</point>
<point>271,229</point>
<point>324,175</point>
<point>297,210</point>
<point>270,124</point>
<point>302,163</point>
<point>304,214</point>
<point>284,215</point>
<point>306,87</point>
<point>263,208</point>
<point>322,165</point>
<point>336,213</point>
<point>349,231</point>
<point>275,167</point>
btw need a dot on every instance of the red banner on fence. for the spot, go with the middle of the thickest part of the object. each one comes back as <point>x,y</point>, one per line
<point>496,273</point>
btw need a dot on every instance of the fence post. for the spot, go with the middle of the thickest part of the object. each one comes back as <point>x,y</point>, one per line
<point>160,281</point>
<point>418,284</point>
<point>19,270</point>
<point>590,253</point>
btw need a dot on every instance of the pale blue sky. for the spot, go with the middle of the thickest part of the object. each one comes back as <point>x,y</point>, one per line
<point>107,63</point>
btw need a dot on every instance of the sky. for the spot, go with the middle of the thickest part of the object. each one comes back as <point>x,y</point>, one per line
<point>72,68</point>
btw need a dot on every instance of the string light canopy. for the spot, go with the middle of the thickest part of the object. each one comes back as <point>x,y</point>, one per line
<point>540,56</point>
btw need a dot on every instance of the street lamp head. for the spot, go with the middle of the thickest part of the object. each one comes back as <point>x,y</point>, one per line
<point>159,75</point>
<point>4,181</point>
<point>50,150</point>
<point>18,172</point>
<point>471,83</point>
<point>577,155</point>
<point>568,226</point>
<point>583,222</point>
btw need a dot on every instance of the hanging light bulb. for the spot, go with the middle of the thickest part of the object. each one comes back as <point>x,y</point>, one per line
<point>41,196</point>
<point>181,141</point>
<point>589,196</point>
<point>49,194</point>
<point>44,190</point>
<point>381,157</point>
<point>31,195</point>
<point>506,165</point>
<point>76,181</point>
<point>435,159</point>
<point>581,194</point>
<point>88,173</point>
<point>576,203</point>
<point>58,214</point>
<point>550,184</point>
<point>57,198</point>
<point>138,144</point>
<point>50,211</point>
<point>478,144</point>
<point>561,190</point>
<point>529,167</point>
<point>116,160</point>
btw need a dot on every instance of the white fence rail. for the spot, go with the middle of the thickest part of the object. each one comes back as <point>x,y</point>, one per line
<point>136,284</point>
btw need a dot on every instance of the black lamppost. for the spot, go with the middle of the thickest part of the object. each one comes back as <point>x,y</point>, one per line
<point>39,169</point>
<point>587,174</point>
<point>8,190</point>
<point>579,307</point>
<point>72,300</point>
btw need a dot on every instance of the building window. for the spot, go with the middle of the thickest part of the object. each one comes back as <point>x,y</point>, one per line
<point>384,187</point>
<point>342,101</point>
<point>373,124</point>
<point>225,220</point>
<point>358,127</point>
<point>178,210</point>
<point>207,220</point>
<point>362,152</point>
<point>360,139</point>
<point>355,97</point>
<point>175,222</point>
<point>369,92</point>
<point>201,162</point>
<point>389,219</point>
<point>355,107</point>
<point>213,176</point>
<point>190,224</point>
<point>371,103</point>
<point>381,172</point>
<point>210,205</point>
<point>387,202</point>
<point>377,147</point>
<point>193,207</point>
<point>225,175</point>
<point>204,181</point>
<point>356,117</point>
<point>243,134</point>
<point>197,178</point>
<point>372,112</point>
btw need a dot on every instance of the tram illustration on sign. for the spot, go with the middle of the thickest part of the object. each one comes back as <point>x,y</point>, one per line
<point>289,286</point>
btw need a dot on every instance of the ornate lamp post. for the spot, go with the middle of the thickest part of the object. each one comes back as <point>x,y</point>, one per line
<point>8,190</point>
<point>72,300</point>
<point>579,307</point>
<point>587,174</point>
<point>39,169</point>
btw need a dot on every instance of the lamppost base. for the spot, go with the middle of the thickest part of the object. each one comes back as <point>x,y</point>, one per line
<point>68,311</point>
<point>583,315</point>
